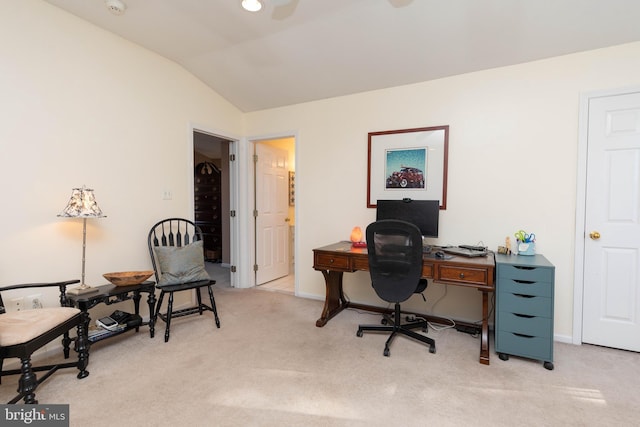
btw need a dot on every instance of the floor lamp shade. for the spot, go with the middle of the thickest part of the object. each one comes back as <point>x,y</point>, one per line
<point>82,205</point>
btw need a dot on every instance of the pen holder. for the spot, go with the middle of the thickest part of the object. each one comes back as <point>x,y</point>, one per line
<point>526,248</point>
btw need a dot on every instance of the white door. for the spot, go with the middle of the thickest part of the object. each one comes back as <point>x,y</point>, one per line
<point>272,206</point>
<point>611,299</point>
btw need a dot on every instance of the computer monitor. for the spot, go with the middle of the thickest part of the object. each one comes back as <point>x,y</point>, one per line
<point>424,214</point>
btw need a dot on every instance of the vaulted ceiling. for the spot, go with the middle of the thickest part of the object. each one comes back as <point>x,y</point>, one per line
<point>294,51</point>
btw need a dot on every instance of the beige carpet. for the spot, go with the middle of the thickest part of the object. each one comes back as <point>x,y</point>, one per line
<point>269,365</point>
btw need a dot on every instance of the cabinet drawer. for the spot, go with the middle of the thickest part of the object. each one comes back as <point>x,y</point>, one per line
<point>462,274</point>
<point>331,262</point>
<point>542,289</point>
<point>523,345</point>
<point>533,274</point>
<point>525,304</point>
<point>525,324</point>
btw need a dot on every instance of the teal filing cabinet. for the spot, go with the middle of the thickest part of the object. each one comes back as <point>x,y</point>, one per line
<point>524,307</point>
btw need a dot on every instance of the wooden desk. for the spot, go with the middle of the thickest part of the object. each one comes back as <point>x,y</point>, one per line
<point>339,258</point>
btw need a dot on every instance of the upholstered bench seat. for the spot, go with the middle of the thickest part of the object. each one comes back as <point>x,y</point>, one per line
<point>21,326</point>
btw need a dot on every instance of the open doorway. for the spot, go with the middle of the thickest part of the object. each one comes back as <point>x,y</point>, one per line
<point>211,202</point>
<point>274,201</point>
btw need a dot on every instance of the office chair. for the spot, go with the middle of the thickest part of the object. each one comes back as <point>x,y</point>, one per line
<point>24,332</point>
<point>177,256</point>
<point>395,265</point>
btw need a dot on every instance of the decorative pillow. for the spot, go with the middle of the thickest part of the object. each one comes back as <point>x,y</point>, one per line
<point>181,264</point>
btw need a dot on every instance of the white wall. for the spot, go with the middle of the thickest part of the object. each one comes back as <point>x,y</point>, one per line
<point>80,106</point>
<point>512,163</point>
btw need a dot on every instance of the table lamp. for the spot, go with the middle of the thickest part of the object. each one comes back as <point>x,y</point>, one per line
<point>82,205</point>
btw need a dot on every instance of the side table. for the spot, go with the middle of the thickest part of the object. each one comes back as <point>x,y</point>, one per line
<point>110,294</point>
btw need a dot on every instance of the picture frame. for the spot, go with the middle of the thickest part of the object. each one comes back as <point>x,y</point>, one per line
<point>408,163</point>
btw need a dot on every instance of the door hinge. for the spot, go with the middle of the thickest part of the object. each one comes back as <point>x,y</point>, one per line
<point>233,268</point>
<point>255,267</point>
<point>255,213</point>
<point>232,157</point>
<point>255,158</point>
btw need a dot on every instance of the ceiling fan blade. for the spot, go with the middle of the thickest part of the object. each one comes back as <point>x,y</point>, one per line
<point>283,9</point>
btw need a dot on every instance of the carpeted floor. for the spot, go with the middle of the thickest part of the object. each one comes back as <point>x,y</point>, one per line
<point>269,365</point>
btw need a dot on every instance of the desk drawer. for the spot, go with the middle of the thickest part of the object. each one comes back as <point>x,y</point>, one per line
<point>462,275</point>
<point>533,274</point>
<point>323,261</point>
<point>524,324</point>
<point>540,348</point>
<point>525,304</point>
<point>516,286</point>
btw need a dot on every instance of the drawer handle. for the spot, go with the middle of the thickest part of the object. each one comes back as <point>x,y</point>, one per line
<point>331,261</point>
<point>526,316</point>
<point>522,335</point>
<point>524,282</point>
<point>462,275</point>
<point>519,267</point>
<point>524,296</point>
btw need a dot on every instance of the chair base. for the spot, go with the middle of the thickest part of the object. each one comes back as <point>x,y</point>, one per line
<point>396,328</point>
<point>198,309</point>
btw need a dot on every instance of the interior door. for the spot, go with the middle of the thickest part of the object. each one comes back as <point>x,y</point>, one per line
<point>272,207</point>
<point>611,299</point>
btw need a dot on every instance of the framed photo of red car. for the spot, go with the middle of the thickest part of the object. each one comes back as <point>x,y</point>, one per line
<point>408,163</point>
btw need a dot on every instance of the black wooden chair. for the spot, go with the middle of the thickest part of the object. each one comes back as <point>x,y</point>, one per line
<point>395,264</point>
<point>177,256</point>
<point>23,332</point>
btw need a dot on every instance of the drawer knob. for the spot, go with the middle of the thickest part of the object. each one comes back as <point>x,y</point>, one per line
<point>331,261</point>
<point>462,275</point>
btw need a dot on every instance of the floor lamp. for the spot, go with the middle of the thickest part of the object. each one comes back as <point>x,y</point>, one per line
<point>82,205</point>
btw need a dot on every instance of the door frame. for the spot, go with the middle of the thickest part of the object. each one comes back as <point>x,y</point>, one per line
<point>234,229</point>
<point>581,200</point>
<point>246,198</point>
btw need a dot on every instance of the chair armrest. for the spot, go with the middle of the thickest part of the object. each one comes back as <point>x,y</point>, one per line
<point>61,285</point>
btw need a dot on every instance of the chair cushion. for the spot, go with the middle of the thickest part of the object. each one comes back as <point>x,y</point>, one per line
<point>181,264</point>
<point>22,326</point>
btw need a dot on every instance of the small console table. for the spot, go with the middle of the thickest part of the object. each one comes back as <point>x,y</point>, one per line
<point>110,294</point>
<point>338,258</point>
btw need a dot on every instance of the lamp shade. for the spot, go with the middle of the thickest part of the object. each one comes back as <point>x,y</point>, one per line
<point>82,205</point>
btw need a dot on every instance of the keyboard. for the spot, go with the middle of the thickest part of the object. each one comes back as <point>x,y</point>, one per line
<point>465,252</point>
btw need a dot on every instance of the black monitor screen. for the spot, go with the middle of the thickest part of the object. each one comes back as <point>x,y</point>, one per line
<point>422,213</point>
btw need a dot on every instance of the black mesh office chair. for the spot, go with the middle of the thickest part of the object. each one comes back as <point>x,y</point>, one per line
<point>395,264</point>
<point>177,256</point>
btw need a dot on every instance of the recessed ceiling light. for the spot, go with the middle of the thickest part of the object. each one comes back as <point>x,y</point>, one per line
<point>251,5</point>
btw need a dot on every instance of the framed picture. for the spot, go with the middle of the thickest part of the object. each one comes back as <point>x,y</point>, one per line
<point>408,163</point>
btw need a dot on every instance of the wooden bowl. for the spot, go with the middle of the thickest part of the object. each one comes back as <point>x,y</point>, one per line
<point>127,278</point>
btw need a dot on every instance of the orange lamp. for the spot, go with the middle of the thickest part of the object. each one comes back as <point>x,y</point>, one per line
<point>356,238</point>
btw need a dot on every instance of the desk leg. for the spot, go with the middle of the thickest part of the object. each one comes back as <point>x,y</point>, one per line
<point>334,301</point>
<point>484,343</point>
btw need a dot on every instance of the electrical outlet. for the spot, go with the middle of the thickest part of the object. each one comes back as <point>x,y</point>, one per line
<point>167,195</point>
<point>34,301</point>
<point>16,304</point>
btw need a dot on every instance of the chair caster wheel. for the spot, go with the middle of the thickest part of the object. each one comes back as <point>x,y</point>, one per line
<point>387,352</point>
<point>548,365</point>
<point>503,356</point>
<point>359,333</point>
<point>432,349</point>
